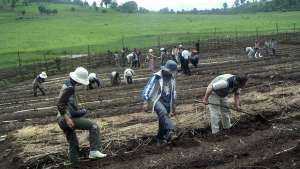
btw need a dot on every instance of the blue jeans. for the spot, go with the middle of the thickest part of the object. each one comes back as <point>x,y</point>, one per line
<point>165,124</point>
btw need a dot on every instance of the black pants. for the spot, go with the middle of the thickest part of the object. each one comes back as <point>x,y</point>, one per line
<point>195,62</point>
<point>129,79</point>
<point>35,90</point>
<point>181,63</point>
<point>186,68</point>
<point>134,63</point>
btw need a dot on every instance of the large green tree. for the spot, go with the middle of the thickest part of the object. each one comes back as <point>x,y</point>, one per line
<point>130,6</point>
<point>106,2</point>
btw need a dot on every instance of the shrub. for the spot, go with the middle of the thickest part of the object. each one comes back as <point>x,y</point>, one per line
<point>23,12</point>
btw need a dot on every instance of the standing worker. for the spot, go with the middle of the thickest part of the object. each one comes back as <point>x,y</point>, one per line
<point>174,54</point>
<point>195,57</point>
<point>128,74</point>
<point>151,60</point>
<point>185,56</point>
<point>163,56</point>
<point>216,94</point>
<point>70,117</point>
<point>38,83</point>
<point>94,82</point>
<point>160,92</point>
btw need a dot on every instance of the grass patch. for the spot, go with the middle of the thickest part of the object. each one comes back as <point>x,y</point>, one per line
<point>72,32</point>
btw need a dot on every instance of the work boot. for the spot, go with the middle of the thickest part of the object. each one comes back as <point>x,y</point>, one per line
<point>161,142</point>
<point>170,136</point>
<point>96,155</point>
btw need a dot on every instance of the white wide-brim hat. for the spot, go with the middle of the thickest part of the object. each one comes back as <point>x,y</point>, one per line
<point>43,75</point>
<point>92,76</point>
<point>80,75</point>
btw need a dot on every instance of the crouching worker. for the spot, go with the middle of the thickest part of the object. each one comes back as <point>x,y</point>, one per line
<point>94,82</point>
<point>70,117</point>
<point>160,92</point>
<point>115,79</point>
<point>216,94</point>
<point>38,83</point>
<point>128,74</point>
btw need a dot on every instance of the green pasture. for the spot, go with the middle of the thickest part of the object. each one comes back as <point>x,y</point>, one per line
<point>72,32</point>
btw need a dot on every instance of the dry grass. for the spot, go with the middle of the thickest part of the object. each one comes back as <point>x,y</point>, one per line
<point>43,139</point>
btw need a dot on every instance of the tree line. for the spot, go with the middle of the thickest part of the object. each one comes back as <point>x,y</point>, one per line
<point>246,6</point>
<point>240,6</point>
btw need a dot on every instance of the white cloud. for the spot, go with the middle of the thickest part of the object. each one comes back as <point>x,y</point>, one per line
<point>180,4</point>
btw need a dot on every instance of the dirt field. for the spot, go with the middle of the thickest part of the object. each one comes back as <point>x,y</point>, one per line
<point>35,141</point>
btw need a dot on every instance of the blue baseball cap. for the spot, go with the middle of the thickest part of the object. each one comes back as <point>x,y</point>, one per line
<point>170,66</point>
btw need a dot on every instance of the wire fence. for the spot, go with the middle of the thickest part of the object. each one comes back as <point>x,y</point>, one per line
<point>93,56</point>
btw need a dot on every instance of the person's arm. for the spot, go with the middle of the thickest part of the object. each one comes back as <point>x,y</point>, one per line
<point>237,102</point>
<point>208,92</point>
<point>174,99</point>
<point>62,105</point>
<point>147,92</point>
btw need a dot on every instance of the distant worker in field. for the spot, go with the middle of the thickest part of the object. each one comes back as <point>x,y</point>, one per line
<point>250,52</point>
<point>115,78</point>
<point>271,45</point>
<point>180,58</point>
<point>139,56</point>
<point>160,93</point>
<point>70,117</point>
<point>94,82</point>
<point>128,74</point>
<point>130,59</point>
<point>123,57</point>
<point>215,97</point>
<point>185,61</point>
<point>116,58</point>
<point>135,58</point>
<point>151,60</point>
<point>38,84</point>
<point>194,57</point>
<point>274,46</point>
<point>258,48</point>
<point>163,56</point>
<point>174,53</point>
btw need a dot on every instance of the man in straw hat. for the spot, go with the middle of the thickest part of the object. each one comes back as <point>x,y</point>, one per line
<point>70,117</point>
<point>38,83</point>
<point>160,92</point>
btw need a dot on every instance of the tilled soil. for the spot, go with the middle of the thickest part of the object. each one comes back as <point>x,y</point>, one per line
<point>35,141</point>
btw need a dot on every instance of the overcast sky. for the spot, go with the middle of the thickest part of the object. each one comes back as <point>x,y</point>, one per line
<point>176,4</point>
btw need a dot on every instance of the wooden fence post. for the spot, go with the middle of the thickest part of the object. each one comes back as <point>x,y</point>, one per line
<point>46,63</point>
<point>20,65</point>
<point>256,32</point>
